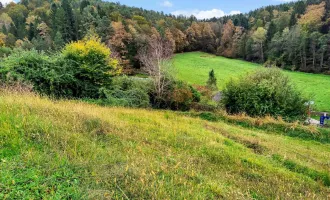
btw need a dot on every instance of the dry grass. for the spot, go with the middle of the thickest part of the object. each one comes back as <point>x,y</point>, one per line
<point>69,149</point>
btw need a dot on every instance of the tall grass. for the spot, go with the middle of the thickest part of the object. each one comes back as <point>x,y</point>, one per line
<point>74,150</point>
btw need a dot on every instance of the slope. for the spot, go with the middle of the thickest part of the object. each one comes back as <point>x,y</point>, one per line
<point>73,150</point>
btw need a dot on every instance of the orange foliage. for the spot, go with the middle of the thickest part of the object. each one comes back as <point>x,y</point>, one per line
<point>312,19</point>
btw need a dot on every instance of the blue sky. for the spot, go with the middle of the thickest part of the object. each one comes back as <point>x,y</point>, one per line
<point>201,8</point>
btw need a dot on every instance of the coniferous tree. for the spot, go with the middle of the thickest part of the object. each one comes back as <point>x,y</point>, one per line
<point>68,30</point>
<point>58,41</point>
<point>104,29</point>
<point>271,31</point>
<point>4,29</point>
<point>212,81</point>
<point>32,32</point>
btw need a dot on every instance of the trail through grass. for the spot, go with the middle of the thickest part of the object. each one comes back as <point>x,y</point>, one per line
<point>194,68</point>
<point>73,150</point>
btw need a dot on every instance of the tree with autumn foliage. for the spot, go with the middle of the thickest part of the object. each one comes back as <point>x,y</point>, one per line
<point>226,47</point>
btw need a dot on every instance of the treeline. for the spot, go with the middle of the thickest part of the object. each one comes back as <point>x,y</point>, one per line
<point>292,36</point>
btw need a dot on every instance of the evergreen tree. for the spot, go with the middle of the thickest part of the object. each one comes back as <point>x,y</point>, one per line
<point>212,82</point>
<point>83,5</point>
<point>32,32</point>
<point>293,19</point>
<point>104,29</point>
<point>4,29</point>
<point>271,31</point>
<point>58,41</point>
<point>68,33</point>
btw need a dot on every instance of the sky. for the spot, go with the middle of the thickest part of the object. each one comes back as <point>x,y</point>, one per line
<point>200,8</point>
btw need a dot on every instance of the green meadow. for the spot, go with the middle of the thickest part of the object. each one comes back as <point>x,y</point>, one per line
<point>194,68</point>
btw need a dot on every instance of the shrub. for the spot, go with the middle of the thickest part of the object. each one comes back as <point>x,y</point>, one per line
<point>127,92</point>
<point>5,51</point>
<point>47,74</point>
<point>93,66</point>
<point>80,71</point>
<point>265,92</point>
<point>204,91</point>
<point>182,96</point>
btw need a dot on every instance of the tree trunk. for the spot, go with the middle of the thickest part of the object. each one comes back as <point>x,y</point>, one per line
<point>322,61</point>
<point>262,52</point>
<point>314,55</point>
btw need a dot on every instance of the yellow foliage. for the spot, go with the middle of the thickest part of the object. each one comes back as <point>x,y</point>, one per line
<point>2,40</point>
<point>312,19</point>
<point>91,50</point>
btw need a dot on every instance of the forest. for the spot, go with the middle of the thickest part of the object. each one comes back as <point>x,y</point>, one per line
<point>292,36</point>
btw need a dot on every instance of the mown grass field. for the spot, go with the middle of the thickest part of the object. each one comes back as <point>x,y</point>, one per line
<point>73,150</point>
<point>194,68</point>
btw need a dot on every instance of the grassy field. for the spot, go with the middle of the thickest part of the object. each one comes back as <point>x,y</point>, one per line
<point>194,68</point>
<point>73,150</point>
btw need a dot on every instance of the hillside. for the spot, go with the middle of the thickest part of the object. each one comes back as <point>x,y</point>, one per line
<point>194,68</point>
<point>72,150</point>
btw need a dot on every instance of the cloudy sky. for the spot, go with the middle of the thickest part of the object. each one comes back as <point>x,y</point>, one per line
<point>201,8</point>
<point>5,1</point>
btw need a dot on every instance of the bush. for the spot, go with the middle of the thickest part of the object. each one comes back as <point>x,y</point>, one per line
<point>5,51</point>
<point>182,96</point>
<point>265,92</point>
<point>127,92</point>
<point>83,68</point>
<point>93,66</point>
<point>47,74</point>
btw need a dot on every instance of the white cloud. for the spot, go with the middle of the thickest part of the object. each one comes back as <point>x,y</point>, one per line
<point>204,14</point>
<point>235,12</point>
<point>5,2</point>
<point>167,4</point>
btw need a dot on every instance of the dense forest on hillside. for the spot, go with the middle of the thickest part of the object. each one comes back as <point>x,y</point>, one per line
<point>292,36</point>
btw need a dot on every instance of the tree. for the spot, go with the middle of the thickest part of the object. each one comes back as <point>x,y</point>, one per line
<point>5,21</point>
<point>58,41</point>
<point>18,13</point>
<point>155,58</point>
<point>120,40</point>
<point>68,24</point>
<point>10,40</point>
<point>104,29</point>
<point>170,39</point>
<point>323,43</point>
<point>259,37</point>
<point>194,34</point>
<point>93,66</point>
<point>314,41</point>
<point>2,39</point>
<point>293,19</point>
<point>208,38</point>
<point>180,39</point>
<point>227,40</point>
<point>271,31</point>
<point>212,81</point>
<point>238,36</point>
<point>43,29</point>
<point>312,19</point>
